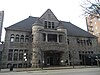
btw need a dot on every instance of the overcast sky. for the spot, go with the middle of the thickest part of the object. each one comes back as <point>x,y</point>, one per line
<point>65,10</point>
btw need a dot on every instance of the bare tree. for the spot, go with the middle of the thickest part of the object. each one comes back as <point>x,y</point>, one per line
<point>91,8</point>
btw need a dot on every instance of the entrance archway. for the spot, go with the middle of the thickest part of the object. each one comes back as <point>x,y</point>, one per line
<point>52,58</point>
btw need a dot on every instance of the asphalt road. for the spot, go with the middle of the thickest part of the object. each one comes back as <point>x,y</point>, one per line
<point>84,71</point>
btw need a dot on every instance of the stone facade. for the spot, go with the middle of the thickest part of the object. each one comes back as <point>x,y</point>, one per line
<point>48,43</point>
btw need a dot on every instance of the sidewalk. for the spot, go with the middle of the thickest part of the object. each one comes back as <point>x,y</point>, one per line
<point>46,68</point>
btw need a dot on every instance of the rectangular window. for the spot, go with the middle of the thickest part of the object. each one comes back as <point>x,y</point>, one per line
<point>45,24</point>
<point>68,41</point>
<point>52,37</point>
<point>10,55</point>
<point>49,24</point>
<point>53,25</point>
<point>81,41</point>
<point>20,56</point>
<point>15,57</point>
<point>78,41</point>
<point>80,56</point>
<point>60,38</point>
<point>22,40</point>
<point>26,40</point>
<point>88,42</point>
<point>84,42</point>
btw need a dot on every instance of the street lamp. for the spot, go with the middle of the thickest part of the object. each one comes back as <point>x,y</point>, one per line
<point>97,60</point>
<point>62,61</point>
<point>25,59</point>
<point>42,64</point>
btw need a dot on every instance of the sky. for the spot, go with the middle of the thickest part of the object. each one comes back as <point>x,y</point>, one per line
<point>65,10</point>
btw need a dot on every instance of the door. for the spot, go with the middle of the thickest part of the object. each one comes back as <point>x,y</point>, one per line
<point>50,61</point>
<point>52,58</point>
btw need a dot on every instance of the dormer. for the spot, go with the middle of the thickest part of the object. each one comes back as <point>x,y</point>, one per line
<point>49,20</point>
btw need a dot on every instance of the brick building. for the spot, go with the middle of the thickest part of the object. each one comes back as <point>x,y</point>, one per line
<point>93,26</point>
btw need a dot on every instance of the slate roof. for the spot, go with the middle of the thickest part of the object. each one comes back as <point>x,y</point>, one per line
<point>24,25</point>
<point>72,30</point>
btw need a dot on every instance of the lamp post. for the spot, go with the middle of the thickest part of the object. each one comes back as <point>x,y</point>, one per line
<point>25,59</point>
<point>97,60</point>
<point>62,61</point>
<point>42,64</point>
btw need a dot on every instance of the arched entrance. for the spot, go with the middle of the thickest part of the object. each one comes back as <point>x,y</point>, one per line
<point>52,58</point>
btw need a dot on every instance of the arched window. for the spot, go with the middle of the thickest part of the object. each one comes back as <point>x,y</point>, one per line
<point>12,38</point>
<point>22,38</point>
<point>17,38</point>
<point>9,65</point>
<point>26,38</point>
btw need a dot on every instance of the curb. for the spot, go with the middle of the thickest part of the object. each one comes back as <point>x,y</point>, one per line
<point>49,68</point>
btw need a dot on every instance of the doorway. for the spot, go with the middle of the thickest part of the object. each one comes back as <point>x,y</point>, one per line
<point>52,58</point>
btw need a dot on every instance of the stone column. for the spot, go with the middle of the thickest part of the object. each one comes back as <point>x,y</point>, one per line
<point>35,57</point>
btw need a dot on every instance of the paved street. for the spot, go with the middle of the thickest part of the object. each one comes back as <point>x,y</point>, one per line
<point>83,71</point>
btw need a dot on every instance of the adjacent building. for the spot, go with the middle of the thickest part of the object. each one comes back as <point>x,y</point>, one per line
<point>1,49</point>
<point>1,22</point>
<point>93,26</point>
<point>47,41</point>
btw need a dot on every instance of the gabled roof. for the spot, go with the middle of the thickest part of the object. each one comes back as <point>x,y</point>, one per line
<point>72,30</point>
<point>49,15</point>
